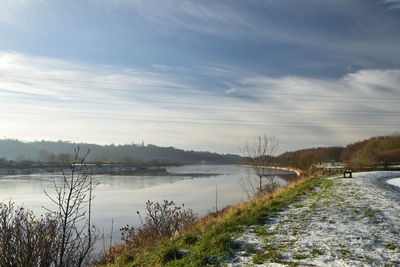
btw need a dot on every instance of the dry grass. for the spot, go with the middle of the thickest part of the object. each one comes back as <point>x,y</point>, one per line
<point>233,210</point>
<point>162,222</point>
<point>208,235</point>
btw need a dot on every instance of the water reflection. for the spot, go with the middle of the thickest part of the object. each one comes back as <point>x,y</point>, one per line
<point>119,197</point>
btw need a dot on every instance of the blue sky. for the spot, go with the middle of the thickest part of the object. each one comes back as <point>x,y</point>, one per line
<point>203,75</point>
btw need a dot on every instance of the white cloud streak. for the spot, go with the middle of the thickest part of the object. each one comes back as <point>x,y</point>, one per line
<point>394,4</point>
<point>45,98</point>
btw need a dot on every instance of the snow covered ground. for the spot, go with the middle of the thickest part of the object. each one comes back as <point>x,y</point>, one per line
<point>355,222</point>
<point>395,182</point>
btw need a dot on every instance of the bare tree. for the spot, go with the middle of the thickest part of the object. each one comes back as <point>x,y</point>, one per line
<point>249,186</point>
<point>259,156</point>
<point>73,199</point>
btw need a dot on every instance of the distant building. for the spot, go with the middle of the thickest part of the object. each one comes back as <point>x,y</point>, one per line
<point>330,166</point>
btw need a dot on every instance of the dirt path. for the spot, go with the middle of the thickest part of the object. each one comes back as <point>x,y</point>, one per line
<point>351,222</point>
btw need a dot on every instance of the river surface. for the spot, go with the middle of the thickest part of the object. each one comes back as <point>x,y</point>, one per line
<point>117,197</point>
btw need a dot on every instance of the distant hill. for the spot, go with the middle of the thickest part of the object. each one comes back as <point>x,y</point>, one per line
<point>47,151</point>
<point>376,150</point>
<point>382,150</point>
<point>305,158</point>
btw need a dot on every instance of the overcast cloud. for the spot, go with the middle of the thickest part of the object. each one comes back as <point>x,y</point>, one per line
<point>199,75</point>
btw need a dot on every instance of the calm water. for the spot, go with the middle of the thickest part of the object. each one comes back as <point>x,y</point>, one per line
<point>119,197</point>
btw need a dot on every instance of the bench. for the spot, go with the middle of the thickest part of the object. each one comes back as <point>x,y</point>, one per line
<point>347,174</point>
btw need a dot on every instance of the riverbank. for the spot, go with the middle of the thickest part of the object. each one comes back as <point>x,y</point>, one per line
<point>209,241</point>
<point>93,168</point>
<point>316,222</point>
<point>298,172</point>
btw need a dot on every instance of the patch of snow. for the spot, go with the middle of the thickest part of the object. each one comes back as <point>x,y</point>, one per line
<point>247,244</point>
<point>353,223</point>
<point>289,169</point>
<point>395,182</point>
<point>377,174</point>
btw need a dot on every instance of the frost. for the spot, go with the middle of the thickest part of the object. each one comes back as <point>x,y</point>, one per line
<point>354,223</point>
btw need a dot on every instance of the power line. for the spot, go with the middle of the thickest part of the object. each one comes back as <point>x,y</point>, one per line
<point>185,105</point>
<point>266,111</point>
<point>100,85</point>
<point>85,113</point>
<point>221,122</point>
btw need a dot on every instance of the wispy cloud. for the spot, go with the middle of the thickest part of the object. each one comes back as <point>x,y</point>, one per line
<point>364,37</point>
<point>343,32</point>
<point>57,99</point>
<point>207,17</point>
<point>110,104</point>
<point>395,4</point>
<point>13,11</point>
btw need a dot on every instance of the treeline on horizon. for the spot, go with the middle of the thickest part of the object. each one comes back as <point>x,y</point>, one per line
<point>380,150</point>
<point>61,152</point>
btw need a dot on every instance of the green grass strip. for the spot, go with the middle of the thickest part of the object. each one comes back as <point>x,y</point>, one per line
<point>213,243</point>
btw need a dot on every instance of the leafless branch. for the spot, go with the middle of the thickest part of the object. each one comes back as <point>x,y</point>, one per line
<point>259,156</point>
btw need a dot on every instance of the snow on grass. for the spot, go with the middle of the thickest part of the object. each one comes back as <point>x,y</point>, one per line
<point>352,223</point>
<point>248,244</point>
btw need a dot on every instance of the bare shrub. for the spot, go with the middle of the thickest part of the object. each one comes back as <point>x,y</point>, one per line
<point>259,156</point>
<point>250,186</point>
<point>26,240</point>
<point>163,220</point>
<point>73,199</point>
<point>61,238</point>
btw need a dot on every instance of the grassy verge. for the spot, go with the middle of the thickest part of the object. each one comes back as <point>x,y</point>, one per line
<point>210,240</point>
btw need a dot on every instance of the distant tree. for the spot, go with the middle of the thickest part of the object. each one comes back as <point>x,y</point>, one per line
<point>46,156</point>
<point>390,157</point>
<point>64,157</point>
<point>20,158</point>
<point>373,151</point>
<point>306,159</point>
<point>3,161</point>
<point>259,156</point>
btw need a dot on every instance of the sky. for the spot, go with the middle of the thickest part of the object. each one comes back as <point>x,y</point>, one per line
<point>200,75</point>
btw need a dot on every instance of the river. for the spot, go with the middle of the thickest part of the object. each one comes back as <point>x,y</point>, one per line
<point>118,197</point>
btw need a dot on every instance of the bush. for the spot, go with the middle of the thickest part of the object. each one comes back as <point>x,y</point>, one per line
<point>26,240</point>
<point>64,237</point>
<point>162,221</point>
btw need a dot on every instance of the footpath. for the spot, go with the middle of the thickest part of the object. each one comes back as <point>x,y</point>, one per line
<point>345,222</point>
